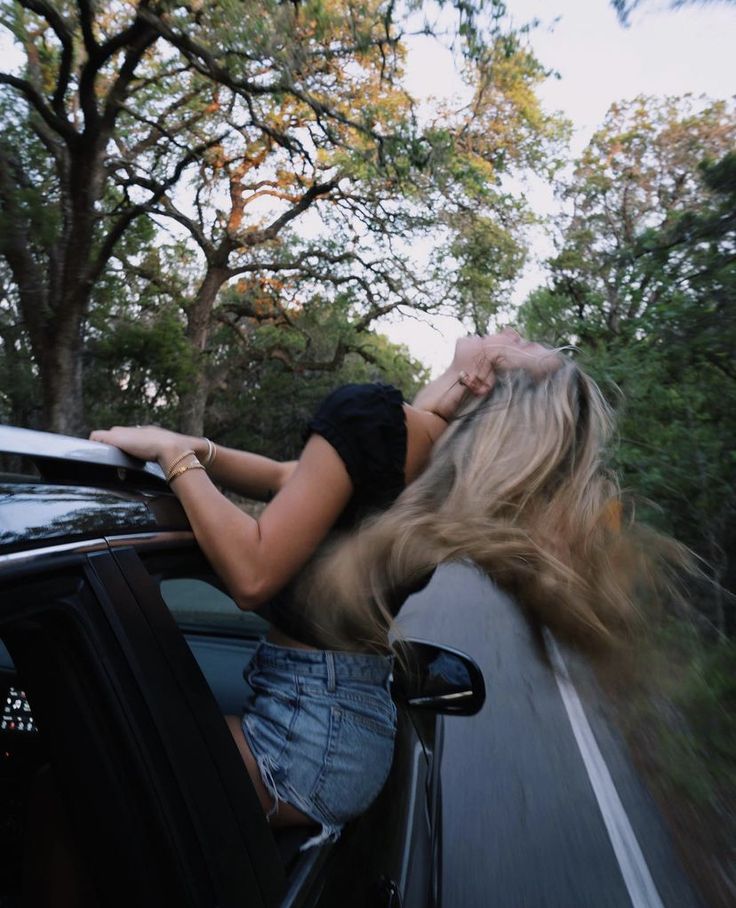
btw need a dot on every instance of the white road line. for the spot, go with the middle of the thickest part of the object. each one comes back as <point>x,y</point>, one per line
<point>639,883</point>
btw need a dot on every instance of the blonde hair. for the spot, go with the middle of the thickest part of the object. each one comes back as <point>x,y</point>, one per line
<point>519,485</point>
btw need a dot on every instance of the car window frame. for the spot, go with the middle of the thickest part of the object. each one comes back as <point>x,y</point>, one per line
<point>319,874</point>
<point>305,870</point>
<point>229,790</point>
<point>103,770</point>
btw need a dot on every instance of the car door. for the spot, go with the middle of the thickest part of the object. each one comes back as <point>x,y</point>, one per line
<point>384,854</point>
<point>146,801</point>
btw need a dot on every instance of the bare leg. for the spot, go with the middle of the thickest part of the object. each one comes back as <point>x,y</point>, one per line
<point>286,815</point>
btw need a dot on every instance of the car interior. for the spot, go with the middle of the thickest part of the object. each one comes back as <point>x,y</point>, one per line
<point>39,857</point>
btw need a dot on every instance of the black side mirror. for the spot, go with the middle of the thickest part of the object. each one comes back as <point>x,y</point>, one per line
<point>437,678</point>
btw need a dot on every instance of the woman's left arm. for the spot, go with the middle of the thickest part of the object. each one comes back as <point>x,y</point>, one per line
<point>254,557</point>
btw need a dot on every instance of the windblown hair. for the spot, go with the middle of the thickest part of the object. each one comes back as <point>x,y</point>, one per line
<point>518,484</point>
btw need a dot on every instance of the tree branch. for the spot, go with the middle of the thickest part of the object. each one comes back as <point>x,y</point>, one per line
<point>158,129</point>
<point>57,123</point>
<point>141,37</point>
<point>125,220</point>
<point>86,18</point>
<point>204,61</point>
<point>292,264</point>
<point>65,35</point>
<point>169,210</point>
<point>256,237</point>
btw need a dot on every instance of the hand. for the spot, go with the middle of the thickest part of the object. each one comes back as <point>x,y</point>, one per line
<point>144,442</point>
<point>473,366</point>
<point>478,359</point>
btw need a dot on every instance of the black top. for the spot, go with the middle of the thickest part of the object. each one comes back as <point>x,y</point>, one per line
<point>366,425</point>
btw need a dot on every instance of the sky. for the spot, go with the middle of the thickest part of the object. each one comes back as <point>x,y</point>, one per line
<point>663,52</point>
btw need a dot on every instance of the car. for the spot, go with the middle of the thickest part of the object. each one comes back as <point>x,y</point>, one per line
<point>120,652</point>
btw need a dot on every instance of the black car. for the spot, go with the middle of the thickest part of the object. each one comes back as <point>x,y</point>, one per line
<point>120,652</point>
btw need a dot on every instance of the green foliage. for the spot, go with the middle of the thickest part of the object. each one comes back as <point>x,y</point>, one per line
<point>137,369</point>
<point>644,285</point>
<point>18,378</point>
<point>487,260</point>
<point>693,739</point>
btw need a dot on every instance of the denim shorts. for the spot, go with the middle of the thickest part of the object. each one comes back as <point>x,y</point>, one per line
<point>321,726</point>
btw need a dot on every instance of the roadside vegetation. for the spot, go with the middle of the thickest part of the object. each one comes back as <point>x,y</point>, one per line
<point>676,707</point>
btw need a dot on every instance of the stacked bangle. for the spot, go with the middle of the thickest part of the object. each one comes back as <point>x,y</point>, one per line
<point>209,457</point>
<point>183,469</point>
<point>177,467</point>
<point>178,460</point>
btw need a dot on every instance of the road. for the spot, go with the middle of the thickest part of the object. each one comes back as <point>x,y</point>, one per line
<point>525,827</point>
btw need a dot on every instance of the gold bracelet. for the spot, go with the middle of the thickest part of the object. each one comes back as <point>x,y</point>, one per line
<point>176,461</point>
<point>183,469</point>
<point>209,457</point>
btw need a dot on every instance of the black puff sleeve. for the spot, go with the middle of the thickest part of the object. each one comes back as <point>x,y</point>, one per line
<point>366,425</point>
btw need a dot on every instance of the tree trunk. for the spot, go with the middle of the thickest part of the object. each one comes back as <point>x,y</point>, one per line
<point>60,373</point>
<point>193,402</point>
<point>192,407</point>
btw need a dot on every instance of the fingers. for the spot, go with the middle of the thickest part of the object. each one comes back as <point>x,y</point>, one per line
<point>104,434</point>
<point>477,385</point>
<point>116,435</point>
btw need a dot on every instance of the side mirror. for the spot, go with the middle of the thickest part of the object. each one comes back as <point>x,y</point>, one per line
<point>437,678</point>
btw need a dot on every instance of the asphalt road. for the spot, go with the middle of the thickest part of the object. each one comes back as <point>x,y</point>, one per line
<point>528,821</point>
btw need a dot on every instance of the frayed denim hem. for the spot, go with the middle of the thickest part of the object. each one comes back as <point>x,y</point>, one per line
<point>330,832</point>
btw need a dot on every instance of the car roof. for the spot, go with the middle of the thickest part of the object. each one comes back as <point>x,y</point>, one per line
<point>57,489</point>
<point>66,449</point>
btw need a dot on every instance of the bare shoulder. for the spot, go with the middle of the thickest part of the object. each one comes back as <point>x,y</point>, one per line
<point>422,431</point>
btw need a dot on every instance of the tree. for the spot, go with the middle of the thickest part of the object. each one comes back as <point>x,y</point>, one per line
<point>368,194</point>
<point>61,215</point>
<point>267,112</point>
<point>644,283</point>
<point>639,173</point>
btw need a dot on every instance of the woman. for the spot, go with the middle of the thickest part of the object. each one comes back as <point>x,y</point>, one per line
<point>515,482</point>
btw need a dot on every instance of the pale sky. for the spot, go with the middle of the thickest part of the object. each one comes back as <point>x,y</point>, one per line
<point>663,52</point>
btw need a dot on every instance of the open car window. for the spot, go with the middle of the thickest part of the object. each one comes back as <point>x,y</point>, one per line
<point>198,606</point>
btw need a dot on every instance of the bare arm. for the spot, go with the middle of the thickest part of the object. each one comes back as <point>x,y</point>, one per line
<point>441,397</point>
<point>247,474</point>
<point>254,557</point>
